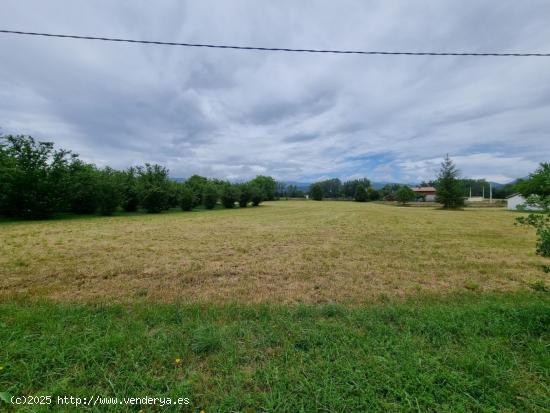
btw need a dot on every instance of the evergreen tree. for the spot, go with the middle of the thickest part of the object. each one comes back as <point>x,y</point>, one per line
<point>360,194</point>
<point>448,188</point>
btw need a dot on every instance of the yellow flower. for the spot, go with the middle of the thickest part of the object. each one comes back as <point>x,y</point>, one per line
<point>178,361</point>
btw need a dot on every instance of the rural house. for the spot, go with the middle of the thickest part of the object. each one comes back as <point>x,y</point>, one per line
<point>515,200</point>
<point>427,192</point>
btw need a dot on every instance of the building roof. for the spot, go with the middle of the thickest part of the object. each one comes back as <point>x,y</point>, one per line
<point>424,189</point>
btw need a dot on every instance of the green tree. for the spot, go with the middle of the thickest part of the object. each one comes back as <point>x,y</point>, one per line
<point>186,198</point>
<point>350,187</point>
<point>229,195</point>
<point>32,177</point>
<point>256,194</point>
<point>210,195</point>
<point>129,190</point>
<point>267,184</point>
<point>197,184</point>
<point>153,184</point>
<point>449,193</point>
<point>84,187</point>
<point>316,192</point>
<point>405,195</point>
<point>537,190</point>
<point>361,194</point>
<point>108,191</point>
<point>244,195</point>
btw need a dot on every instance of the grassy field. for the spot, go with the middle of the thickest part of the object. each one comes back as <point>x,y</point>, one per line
<point>294,306</point>
<point>466,354</point>
<point>282,252</point>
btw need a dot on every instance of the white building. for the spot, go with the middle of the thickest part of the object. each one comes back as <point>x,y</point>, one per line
<point>514,200</point>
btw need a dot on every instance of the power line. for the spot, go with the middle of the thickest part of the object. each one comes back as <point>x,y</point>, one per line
<point>275,49</point>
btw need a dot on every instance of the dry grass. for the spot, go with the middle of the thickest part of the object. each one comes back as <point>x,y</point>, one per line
<point>281,252</point>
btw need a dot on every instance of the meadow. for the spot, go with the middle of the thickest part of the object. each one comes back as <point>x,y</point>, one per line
<point>281,252</point>
<point>291,306</point>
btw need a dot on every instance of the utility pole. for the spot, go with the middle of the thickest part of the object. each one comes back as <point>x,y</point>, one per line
<point>483,196</point>
<point>491,192</point>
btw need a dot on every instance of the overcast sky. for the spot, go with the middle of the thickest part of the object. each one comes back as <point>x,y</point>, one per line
<point>234,114</point>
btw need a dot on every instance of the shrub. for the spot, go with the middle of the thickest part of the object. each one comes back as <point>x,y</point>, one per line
<point>244,195</point>
<point>129,190</point>
<point>84,191</point>
<point>316,192</point>
<point>360,194</point>
<point>267,185</point>
<point>108,192</point>
<point>230,195</point>
<point>404,195</point>
<point>153,199</point>
<point>256,195</point>
<point>32,177</point>
<point>186,198</point>
<point>210,195</point>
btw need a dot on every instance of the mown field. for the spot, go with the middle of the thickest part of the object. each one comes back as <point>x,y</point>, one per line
<point>293,306</point>
<point>281,252</point>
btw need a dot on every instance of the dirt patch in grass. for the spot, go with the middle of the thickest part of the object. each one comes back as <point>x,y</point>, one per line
<point>286,251</point>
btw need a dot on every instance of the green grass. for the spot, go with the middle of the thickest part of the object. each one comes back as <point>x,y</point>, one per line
<point>466,353</point>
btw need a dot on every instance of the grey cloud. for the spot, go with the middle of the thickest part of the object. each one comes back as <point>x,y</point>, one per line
<point>235,114</point>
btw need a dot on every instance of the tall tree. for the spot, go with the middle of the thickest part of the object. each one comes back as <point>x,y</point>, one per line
<point>316,192</point>
<point>448,188</point>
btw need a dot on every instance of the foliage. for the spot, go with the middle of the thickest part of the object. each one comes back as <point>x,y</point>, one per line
<point>538,182</point>
<point>349,188</point>
<point>153,187</point>
<point>292,191</point>
<point>129,190</point>
<point>405,195</point>
<point>186,198</point>
<point>388,192</point>
<point>31,177</point>
<point>332,188</point>
<point>244,195</point>
<point>256,194</point>
<point>449,193</point>
<point>210,195</point>
<point>229,195</point>
<point>267,185</point>
<point>540,221</point>
<point>83,184</point>
<point>197,184</point>
<point>316,192</point>
<point>361,194</point>
<point>108,191</point>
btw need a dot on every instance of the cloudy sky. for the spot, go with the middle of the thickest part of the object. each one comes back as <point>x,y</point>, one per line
<point>234,114</point>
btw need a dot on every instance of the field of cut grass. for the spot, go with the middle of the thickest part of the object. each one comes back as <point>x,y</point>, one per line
<point>295,306</point>
<point>281,252</point>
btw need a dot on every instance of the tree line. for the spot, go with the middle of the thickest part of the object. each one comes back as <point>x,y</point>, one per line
<point>37,181</point>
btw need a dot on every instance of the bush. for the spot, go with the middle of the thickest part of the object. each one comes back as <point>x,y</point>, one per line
<point>186,198</point>
<point>267,185</point>
<point>360,194</point>
<point>230,195</point>
<point>404,195</point>
<point>316,192</point>
<point>153,187</point>
<point>129,190</point>
<point>84,188</point>
<point>256,195</point>
<point>244,195</point>
<point>210,195</point>
<point>108,192</point>
<point>153,199</point>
